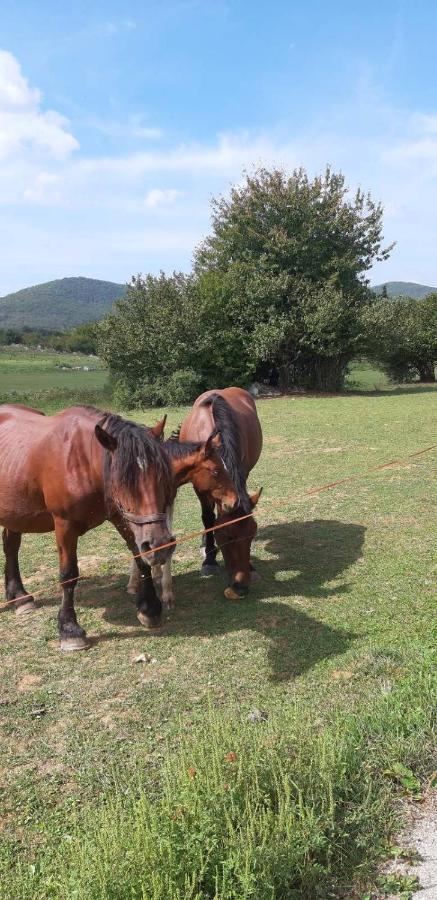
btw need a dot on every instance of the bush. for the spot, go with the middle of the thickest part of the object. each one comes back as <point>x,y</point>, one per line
<point>181,386</point>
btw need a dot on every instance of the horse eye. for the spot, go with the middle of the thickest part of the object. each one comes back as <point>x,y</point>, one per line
<point>216,473</point>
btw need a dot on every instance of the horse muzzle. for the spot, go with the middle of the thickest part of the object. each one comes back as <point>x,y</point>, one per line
<point>153,539</point>
<point>157,552</point>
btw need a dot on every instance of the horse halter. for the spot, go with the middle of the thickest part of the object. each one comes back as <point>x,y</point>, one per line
<point>143,520</point>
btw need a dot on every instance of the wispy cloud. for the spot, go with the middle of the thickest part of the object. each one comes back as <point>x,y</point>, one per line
<point>118,27</point>
<point>161,197</point>
<point>133,127</point>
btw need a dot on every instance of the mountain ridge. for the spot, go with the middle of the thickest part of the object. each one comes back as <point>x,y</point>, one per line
<point>60,304</point>
<point>404,289</point>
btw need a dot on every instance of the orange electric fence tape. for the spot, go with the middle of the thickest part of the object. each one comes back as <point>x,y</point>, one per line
<point>275,503</point>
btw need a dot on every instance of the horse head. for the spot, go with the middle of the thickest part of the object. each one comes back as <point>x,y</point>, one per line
<point>234,538</point>
<point>139,485</point>
<point>202,465</point>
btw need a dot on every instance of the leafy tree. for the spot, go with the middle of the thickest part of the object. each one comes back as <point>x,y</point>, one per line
<point>289,257</point>
<point>155,343</point>
<point>401,334</point>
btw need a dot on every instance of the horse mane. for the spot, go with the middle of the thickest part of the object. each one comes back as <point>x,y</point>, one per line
<point>180,449</point>
<point>137,451</point>
<point>230,448</point>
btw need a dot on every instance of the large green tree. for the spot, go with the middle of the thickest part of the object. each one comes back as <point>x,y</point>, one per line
<point>290,257</point>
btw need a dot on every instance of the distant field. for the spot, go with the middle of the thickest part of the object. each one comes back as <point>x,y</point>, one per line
<point>24,373</point>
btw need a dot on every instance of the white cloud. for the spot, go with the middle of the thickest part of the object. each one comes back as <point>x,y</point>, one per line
<point>23,124</point>
<point>161,197</point>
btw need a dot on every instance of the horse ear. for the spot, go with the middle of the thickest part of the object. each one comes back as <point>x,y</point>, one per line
<point>213,443</point>
<point>105,439</point>
<point>158,429</point>
<point>255,497</point>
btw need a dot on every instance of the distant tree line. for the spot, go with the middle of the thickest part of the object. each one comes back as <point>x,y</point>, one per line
<point>82,339</point>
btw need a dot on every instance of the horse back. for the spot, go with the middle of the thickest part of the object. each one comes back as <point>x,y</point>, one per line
<point>200,422</point>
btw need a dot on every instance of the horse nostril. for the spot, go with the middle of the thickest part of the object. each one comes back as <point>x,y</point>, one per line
<point>145,546</point>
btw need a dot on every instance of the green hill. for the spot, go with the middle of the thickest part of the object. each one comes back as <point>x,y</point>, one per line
<point>60,304</point>
<point>404,289</point>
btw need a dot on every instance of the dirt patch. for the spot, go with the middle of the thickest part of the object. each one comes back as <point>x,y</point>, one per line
<point>28,683</point>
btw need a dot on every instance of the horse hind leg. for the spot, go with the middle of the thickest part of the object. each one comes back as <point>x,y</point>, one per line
<point>15,590</point>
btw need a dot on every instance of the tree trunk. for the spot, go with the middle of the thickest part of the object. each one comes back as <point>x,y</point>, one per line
<point>427,372</point>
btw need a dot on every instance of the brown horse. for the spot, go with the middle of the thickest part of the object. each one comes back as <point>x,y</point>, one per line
<point>200,464</point>
<point>232,412</point>
<point>68,473</point>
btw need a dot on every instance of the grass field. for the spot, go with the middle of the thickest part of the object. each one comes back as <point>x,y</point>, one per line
<point>160,779</point>
<point>37,376</point>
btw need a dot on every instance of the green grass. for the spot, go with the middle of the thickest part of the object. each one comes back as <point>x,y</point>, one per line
<point>334,645</point>
<point>366,376</point>
<point>36,378</point>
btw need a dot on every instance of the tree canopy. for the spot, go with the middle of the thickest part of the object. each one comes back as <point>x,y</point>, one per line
<point>292,255</point>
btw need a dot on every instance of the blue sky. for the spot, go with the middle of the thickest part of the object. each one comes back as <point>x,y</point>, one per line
<point>120,120</point>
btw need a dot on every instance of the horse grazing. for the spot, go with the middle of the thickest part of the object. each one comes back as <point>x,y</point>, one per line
<point>68,473</point>
<point>199,463</point>
<point>232,412</point>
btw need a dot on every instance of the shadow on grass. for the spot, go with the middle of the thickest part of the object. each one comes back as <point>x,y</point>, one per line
<point>306,556</point>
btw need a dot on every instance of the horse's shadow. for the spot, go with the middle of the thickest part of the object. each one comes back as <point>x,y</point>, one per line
<point>305,558</point>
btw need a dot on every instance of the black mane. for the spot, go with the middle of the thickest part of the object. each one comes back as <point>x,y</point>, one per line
<point>137,450</point>
<point>230,448</point>
<point>180,449</point>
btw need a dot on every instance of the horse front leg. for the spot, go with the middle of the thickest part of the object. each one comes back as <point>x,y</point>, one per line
<point>149,606</point>
<point>134,583</point>
<point>71,635</point>
<point>13,583</point>
<point>141,583</point>
<point>209,565</point>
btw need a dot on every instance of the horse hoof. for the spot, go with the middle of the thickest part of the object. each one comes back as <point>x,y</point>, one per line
<point>230,594</point>
<point>207,570</point>
<point>254,576</point>
<point>68,644</point>
<point>152,623</point>
<point>27,607</point>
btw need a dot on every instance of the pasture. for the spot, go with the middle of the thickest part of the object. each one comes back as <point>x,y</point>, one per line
<point>251,749</point>
<point>49,379</point>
